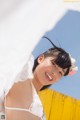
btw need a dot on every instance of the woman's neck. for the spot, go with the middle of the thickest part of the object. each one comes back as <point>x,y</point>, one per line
<point>37,84</point>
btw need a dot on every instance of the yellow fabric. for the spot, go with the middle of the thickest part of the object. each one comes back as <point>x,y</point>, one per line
<point>58,106</point>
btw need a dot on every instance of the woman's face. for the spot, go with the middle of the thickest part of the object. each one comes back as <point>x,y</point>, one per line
<point>47,72</point>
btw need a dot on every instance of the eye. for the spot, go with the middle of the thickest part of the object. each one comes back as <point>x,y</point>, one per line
<point>61,74</point>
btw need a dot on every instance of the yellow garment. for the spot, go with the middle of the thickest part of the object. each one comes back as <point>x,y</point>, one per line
<point>58,106</point>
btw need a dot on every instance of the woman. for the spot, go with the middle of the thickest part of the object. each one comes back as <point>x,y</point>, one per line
<point>22,100</point>
<point>19,24</point>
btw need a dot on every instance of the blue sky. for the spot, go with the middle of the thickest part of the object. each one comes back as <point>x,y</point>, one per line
<point>67,34</point>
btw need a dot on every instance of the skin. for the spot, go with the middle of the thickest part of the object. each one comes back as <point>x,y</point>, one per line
<point>47,72</point>
<point>20,95</point>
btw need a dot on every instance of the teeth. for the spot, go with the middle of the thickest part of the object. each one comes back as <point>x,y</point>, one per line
<point>49,76</point>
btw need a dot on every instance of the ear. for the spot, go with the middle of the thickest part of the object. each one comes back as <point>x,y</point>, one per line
<point>40,58</point>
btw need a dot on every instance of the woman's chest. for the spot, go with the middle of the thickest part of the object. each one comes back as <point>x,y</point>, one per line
<point>20,95</point>
<point>21,104</point>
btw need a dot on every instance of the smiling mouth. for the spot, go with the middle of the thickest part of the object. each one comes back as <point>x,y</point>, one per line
<point>48,76</point>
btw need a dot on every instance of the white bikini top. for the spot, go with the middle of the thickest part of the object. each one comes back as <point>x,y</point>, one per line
<point>35,108</point>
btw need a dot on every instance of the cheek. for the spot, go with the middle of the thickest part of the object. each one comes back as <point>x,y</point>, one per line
<point>41,70</point>
<point>58,77</point>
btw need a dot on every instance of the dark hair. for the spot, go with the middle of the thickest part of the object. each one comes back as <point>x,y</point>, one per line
<point>62,59</point>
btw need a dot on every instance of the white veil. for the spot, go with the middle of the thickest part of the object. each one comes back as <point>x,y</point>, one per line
<point>22,24</point>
